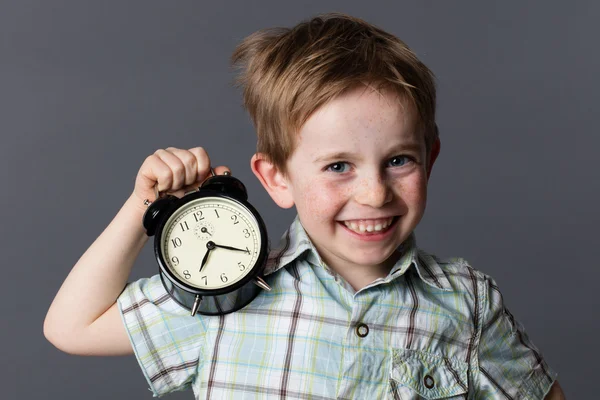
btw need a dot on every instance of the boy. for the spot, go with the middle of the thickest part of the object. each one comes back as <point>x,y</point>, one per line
<point>345,118</point>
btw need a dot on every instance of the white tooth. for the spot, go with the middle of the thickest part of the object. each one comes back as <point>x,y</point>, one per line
<point>362,228</point>
<point>347,223</point>
<point>354,226</point>
<point>369,228</point>
<point>378,227</point>
<point>384,225</point>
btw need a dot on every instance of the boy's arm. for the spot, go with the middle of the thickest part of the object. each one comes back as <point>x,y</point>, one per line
<point>555,393</point>
<point>83,318</point>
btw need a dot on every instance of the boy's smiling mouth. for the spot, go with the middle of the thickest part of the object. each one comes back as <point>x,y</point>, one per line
<point>369,226</point>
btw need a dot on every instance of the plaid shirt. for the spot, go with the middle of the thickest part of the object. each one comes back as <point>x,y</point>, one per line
<point>431,328</point>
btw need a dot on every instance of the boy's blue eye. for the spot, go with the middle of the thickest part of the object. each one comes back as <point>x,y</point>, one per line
<point>398,161</point>
<point>338,167</point>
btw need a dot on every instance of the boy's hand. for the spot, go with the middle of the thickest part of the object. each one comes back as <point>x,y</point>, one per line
<point>176,171</point>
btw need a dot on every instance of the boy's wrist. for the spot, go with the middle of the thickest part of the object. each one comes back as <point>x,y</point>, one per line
<point>136,207</point>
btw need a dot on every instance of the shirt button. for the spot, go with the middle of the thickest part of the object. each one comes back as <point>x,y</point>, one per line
<point>428,381</point>
<point>362,330</point>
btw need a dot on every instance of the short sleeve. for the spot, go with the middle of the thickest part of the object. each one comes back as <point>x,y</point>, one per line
<point>165,338</point>
<point>510,366</point>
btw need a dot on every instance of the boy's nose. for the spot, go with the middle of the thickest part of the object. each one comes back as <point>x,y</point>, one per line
<point>374,192</point>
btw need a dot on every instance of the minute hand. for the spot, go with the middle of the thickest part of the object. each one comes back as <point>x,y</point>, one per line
<point>231,248</point>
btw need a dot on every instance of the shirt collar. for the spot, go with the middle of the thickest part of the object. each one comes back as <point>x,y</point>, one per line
<point>295,244</point>
<point>425,264</point>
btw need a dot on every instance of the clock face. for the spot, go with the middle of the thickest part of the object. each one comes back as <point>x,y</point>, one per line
<point>211,242</point>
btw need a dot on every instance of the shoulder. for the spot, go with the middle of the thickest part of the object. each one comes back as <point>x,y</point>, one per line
<point>148,289</point>
<point>468,286</point>
<point>147,298</point>
<point>478,292</point>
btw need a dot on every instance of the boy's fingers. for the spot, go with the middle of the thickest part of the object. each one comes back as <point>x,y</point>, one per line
<point>177,171</point>
<point>152,171</point>
<point>190,163</point>
<point>202,163</point>
<point>195,185</point>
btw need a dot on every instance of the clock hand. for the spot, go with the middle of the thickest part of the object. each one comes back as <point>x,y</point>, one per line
<point>209,247</point>
<point>204,259</point>
<point>230,248</point>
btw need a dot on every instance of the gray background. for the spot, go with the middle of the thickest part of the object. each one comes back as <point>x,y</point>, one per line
<point>87,91</point>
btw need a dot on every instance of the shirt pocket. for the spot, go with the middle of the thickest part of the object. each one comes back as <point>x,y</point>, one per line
<point>419,375</point>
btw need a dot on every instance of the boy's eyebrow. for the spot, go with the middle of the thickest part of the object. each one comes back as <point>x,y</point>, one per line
<point>344,155</point>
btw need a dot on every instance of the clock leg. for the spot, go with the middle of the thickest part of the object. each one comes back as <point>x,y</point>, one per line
<point>196,305</point>
<point>261,283</point>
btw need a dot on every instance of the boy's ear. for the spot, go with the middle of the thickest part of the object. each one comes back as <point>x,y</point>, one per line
<point>272,180</point>
<point>433,154</point>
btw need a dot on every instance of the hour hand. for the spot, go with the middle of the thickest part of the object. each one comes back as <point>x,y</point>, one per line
<point>231,248</point>
<point>209,247</point>
<point>204,259</point>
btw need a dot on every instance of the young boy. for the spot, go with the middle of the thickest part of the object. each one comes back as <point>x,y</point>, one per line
<point>345,118</point>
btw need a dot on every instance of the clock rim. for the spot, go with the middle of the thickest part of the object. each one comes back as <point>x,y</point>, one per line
<point>254,271</point>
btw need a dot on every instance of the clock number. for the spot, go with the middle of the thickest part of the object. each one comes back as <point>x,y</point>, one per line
<point>218,216</point>
<point>198,216</point>
<point>247,250</point>
<point>246,233</point>
<point>187,274</point>
<point>176,242</point>
<point>224,277</point>
<point>205,280</point>
<point>234,218</point>
<point>184,226</point>
<point>175,261</point>
<point>242,266</point>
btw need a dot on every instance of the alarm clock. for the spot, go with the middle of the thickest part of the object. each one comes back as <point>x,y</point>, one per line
<point>211,246</point>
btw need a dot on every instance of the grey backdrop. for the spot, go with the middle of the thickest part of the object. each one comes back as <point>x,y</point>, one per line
<point>87,91</point>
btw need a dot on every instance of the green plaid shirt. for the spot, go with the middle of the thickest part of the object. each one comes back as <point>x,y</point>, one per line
<point>431,329</point>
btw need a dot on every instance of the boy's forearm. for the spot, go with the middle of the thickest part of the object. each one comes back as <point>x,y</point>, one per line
<point>555,393</point>
<point>99,276</point>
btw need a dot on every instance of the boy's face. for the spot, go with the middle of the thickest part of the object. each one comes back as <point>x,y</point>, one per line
<point>358,177</point>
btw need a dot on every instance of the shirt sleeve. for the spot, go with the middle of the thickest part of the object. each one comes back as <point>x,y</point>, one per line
<point>510,366</point>
<point>165,338</point>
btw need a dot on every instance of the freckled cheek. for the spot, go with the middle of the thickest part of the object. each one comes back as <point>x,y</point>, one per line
<point>322,200</point>
<point>413,193</point>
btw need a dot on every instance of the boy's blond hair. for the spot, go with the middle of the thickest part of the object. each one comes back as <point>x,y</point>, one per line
<point>287,74</point>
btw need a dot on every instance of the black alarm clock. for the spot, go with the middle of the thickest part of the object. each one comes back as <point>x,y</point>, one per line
<point>211,246</point>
